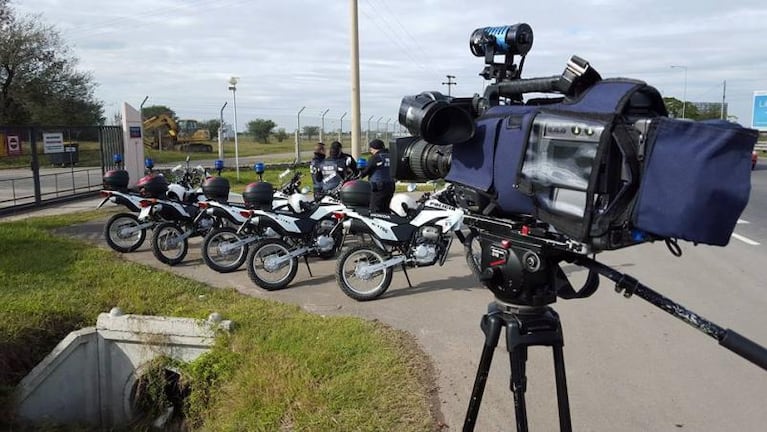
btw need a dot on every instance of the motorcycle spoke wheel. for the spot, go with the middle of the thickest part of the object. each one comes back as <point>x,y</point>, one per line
<point>362,287</point>
<point>262,274</point>
<point>216,254</point>
<point>166,246</point>
<point>115,236</point>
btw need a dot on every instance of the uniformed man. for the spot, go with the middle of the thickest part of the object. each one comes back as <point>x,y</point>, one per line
<point>350,165</point>
<point>333,168</point>
<point>315,169</point>
<point>381,182</point>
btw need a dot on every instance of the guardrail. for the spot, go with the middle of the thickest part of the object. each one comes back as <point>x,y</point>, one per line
<point>761,146</point>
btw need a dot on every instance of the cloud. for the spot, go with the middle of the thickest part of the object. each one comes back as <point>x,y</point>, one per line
<point>291,53</point>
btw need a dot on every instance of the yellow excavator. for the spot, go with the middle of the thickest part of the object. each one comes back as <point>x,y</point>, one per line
<point>163,132</point>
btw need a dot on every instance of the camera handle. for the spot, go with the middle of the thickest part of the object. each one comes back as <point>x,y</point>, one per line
<point>727,338</point>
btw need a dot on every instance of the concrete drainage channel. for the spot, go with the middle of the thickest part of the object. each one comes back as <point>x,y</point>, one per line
<point>101,368</point>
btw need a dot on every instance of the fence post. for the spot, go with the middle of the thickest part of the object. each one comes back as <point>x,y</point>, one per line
<point>35,165</point>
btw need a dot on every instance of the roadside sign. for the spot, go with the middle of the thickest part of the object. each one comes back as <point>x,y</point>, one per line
<point>759,117</point>
<point>53,142</point>
<point>13,144</point>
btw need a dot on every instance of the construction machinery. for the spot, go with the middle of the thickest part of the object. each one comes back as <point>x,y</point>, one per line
<point>163,132</point>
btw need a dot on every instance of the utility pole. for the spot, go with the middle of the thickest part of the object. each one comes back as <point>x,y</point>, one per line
<point>724,92</point>
<point>355,66</point>
<point>233,87</point>
<point>449,83</point>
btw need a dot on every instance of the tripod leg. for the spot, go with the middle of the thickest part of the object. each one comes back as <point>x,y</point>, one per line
<point>491,326</point>
<point>563,401</point>
<point>518,360</point>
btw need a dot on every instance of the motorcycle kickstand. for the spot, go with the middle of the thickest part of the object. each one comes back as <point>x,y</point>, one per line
<point>306,260</point>
<point>404,270</point>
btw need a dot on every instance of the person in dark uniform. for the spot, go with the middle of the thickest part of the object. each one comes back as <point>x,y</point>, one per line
<point>350,165</point>
<point>333,169</point>
<point>381,182</point>
<point>315,169</point>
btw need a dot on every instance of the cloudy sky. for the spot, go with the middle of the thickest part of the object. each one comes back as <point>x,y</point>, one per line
<point>294,53</point>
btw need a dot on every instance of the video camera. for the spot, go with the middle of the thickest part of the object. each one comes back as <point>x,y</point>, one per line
<point>598,162</point>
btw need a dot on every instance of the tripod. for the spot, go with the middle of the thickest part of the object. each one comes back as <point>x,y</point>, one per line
<point>525,327</point>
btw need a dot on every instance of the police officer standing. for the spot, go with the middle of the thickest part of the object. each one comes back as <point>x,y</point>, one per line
<point>333,169</point>
<point>315,169</point>
<point>350,165</point>
<point>381,182</point>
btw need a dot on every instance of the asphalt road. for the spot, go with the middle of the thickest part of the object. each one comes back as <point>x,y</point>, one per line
<point>630,366</point>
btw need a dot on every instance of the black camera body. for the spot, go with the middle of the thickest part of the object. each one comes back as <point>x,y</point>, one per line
<point>601,162</point>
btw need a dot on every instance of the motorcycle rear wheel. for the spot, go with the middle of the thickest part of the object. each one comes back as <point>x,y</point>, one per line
<point>216,259</point>
<point>118,241</point>
<point>164,249</point>
<point>259,274</point>
<point>356,287</point>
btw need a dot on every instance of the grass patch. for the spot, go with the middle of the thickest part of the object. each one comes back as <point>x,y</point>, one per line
<point>282,369</point>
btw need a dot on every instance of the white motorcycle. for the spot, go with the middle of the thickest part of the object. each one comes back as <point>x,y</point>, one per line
<point>415,234</point>
<point>304,229</point>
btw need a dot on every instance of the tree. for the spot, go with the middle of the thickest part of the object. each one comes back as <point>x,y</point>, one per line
<point>261,129</point>
<point>155,110</point>
<point>281,135</point>
<point>310,131</point>
<point>39,82</point>
<point>674,108</point>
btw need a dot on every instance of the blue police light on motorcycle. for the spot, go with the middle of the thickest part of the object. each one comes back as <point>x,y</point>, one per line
<point>259,167</point>
<point>361,163</point>
<point>149,163</point>
<point>218,164</point>
<point>117,158</point>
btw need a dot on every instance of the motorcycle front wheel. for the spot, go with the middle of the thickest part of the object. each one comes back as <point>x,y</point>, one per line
<point>215,250</point>
<point>166,246</point>
<point>357,285</point>
<point>261,267</point>
<point>117,238</point>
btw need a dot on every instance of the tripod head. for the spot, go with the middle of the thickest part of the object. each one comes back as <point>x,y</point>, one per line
<point>521,266</point>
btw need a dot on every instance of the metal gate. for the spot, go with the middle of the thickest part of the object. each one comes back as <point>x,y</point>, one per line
<point>41,165</point>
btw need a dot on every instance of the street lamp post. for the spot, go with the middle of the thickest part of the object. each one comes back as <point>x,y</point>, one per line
<point>386,133</point>
<point>378,126</point>
<point>233,87</point>
<point>221,132</point>
<point>684,95</point>
<point>298,135</point>
<point>341,127</point>
<point>322,121</point>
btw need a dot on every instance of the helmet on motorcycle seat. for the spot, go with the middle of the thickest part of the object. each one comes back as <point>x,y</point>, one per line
<point>295,201</point>
<point>401,203</point>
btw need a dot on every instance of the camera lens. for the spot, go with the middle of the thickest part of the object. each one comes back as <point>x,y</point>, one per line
<point>429,161</point>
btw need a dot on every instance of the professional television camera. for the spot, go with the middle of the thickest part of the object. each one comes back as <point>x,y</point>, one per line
<point>547,180</point>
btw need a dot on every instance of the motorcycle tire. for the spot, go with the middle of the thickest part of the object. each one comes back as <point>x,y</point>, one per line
<point>256,256</point>
<point>121,243</point>
<point>219,262</point>
<point>346,277</point>
<point>160,247</point>
<point>473,253</point>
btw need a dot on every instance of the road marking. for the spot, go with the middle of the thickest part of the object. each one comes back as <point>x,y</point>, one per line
<point>741,221</point>
<point>745,239</point>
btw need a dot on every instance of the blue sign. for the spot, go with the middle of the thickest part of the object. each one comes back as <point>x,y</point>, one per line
<point>759,119</point>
